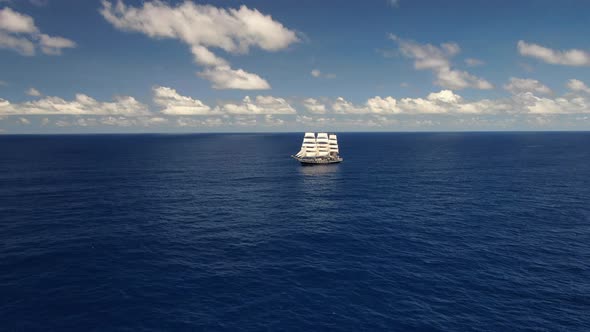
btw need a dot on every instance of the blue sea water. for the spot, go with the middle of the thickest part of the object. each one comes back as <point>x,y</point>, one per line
<point>412,232</point>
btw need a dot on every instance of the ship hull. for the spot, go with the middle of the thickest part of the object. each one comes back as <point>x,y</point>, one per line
<point>317,161</point>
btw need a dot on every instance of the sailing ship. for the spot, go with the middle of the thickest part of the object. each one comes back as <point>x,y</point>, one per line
<point>319,150</point>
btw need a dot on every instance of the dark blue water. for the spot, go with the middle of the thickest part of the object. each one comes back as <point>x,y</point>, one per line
<point>431,232</point>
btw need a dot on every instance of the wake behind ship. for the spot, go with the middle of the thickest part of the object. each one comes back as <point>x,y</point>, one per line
<point>319,150</point>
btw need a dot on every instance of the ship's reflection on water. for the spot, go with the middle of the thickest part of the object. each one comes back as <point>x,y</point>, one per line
<point>319,170</point>
<point>320,181</point>
<point>318,192</point>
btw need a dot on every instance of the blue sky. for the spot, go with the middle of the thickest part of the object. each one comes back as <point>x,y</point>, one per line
<point>180,66</point>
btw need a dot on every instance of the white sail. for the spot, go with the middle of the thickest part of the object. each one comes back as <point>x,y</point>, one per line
<point>333,144</point>
<point>301,153</point>
<point>322,145</point>
<point>309,144</point>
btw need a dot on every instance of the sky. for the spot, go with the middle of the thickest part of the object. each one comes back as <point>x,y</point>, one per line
<point>69,66</point>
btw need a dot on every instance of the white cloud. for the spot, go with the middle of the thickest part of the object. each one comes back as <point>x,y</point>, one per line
<point>248,121</point>
<point>437,59</point>
<point>342,106</point>
<point>421,106</point>
<point>314,106</point>
<point>573,57</point>
<point>318,73</point>
<point>448,102</point>
<point>314,121</point>
<point>529,103</point>
<point>269,119</point>
<point>54,45</point>
<point>471,62</point>
<point>260,105</point>
<point>445,96</point>
<point>115,121</point>
<point>14,22</point>
<point>224,77</point>
<point>19,33</point>
<point>383,105</point>
<point>458,79</point>
<point>578,86</point>
<point>205,57</point>
<point>443,102</point>
<point>21,45</point>
<point>520,85</point>
<point>156,121</point>
<point>81,105</point>
<point>24,121</point>
<point>33,92</point>
<point>203,27</point>
<point>173,103</point>
<point>529,98</point>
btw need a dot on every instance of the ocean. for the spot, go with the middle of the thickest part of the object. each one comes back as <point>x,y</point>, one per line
<point>225,232</point>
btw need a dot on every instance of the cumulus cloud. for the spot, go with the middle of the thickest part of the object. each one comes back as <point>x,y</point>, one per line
<point>519,85</point>
<point>450,103</point>
<point>314,121</point>
<point>445,101</point>
<point>260,105</point>
<point>18,32</point>
<point>343,106</point>
<point>529,103</point>
<point>573,57</point>
<point>33,92</point>
<point>385,105</point>
<point>203,27</point>
<point>528,98</point>
<point>14,22</point>
<point>578,86</point>
<point>438,60</point>
<point>314,106</point>
<point>81,105</point>
<point>173,103</point>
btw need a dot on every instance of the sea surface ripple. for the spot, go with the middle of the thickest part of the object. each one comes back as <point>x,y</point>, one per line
<point>412,232</point>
